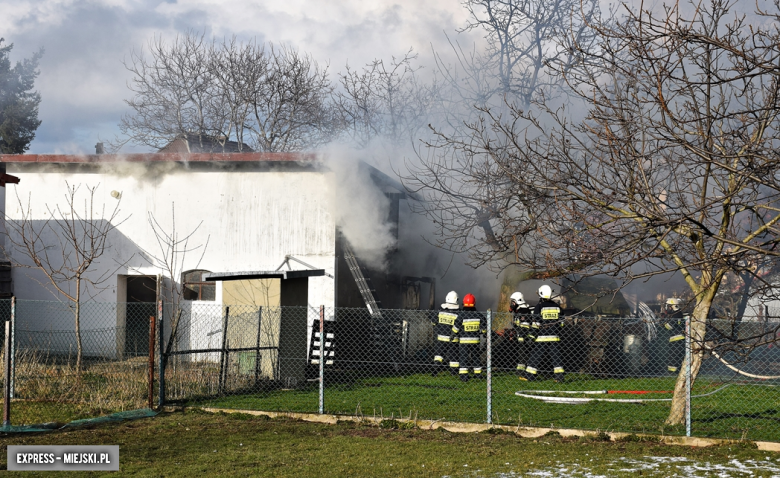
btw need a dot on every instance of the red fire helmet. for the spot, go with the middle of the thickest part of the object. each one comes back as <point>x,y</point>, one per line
<point>469,300</point>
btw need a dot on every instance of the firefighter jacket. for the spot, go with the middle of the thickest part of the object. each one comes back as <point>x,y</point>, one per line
<point>522,323</point>
<point>470,326</point>
<point>443,327</point>
<point>675,325</point>
<point>548,319</point>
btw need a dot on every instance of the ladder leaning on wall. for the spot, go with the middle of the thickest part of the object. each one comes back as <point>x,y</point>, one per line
<point>387,334</point>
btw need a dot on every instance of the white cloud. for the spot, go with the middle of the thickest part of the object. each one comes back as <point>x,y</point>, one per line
<point>83,82</point>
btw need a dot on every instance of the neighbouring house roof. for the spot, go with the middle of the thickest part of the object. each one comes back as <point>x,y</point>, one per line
<point>199,143</point>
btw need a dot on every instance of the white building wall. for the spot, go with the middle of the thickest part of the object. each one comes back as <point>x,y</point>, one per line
<point>763,309</point>
<point>250,219</point>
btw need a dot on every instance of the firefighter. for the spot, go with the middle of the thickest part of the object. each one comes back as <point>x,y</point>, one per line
<point>446,349</point>
<point>547,321</point>
<point>521,322</point>
<point>470,328</point>
<point>674,324</point>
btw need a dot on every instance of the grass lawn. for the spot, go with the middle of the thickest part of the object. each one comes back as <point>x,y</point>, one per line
<point>741,411</point>
<point>29,412</point>
<point>195,443</point>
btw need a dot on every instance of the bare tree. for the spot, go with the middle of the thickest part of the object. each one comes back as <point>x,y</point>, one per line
<point>171,259</point>
<point>673,167</point>
<point>64,244</point>
<point>524,38</point>
<point>274,98</point>
<point>175,92</point>
<point>387,100</point>
<point>291,109</point>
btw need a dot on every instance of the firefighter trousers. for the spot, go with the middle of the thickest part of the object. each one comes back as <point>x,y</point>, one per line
<point>550,349</point>
<point>675,353</point>
<point>469,355</point>
<point>523,354</point>
<point>446,356</point>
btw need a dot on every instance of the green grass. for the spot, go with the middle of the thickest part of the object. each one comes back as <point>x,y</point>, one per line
<point>29,412</point>
<point>195,443</point>
<point>739,411</point>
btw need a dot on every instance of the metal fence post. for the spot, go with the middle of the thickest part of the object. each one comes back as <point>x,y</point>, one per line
<point>224,355</point>
<point>161,373</point>
<point>322,360</point>
<point>13,346</point>
<point>257,354</point>
<point>688,375</point>
<point>7,376</point>
<point>489,366</point>
<point>152,321</point>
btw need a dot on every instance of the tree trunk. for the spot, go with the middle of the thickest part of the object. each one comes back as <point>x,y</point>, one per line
<point>172,338</point>
<point>79,351</point>
<point>698,329</point>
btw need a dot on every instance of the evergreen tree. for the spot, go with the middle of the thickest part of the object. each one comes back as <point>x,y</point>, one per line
<point>18,103</point>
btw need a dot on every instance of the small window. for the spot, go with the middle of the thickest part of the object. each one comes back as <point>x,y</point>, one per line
<point>196,288</point>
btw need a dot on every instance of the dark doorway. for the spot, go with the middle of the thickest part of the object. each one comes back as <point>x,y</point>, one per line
<point>141,298</point>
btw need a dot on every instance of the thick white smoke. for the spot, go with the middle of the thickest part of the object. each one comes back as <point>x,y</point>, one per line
<point>360,208</point>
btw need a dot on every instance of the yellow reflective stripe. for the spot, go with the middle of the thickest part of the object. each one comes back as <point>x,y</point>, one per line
<point>443,338</point>
<point>550,313</point>
<point>447,318</point>
<point>668,326</point>
<point>548,338</point>
<point>671,369</point>
<point>558,370</point>
<point>469,340</point>
<point>530,370</point>
<point>676,338</point>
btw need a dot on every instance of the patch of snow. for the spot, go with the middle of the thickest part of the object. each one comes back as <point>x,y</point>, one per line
<point>666,466</point>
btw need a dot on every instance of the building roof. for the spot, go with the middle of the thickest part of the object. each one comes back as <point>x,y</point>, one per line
<point>199,143</point>
<point>159,157</point>
<point>282,274</point>
<point>22,162</point>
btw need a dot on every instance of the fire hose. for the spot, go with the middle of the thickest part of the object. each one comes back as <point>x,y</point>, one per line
<point>540,395</point>
<point>762,377</point>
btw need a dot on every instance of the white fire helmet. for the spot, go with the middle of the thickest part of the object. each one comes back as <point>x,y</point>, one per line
<point>517,297</point>
<point>673,303</point>
<point>545,292</point>
<point>452,298</point>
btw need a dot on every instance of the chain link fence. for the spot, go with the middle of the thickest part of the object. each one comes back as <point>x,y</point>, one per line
<point>611,374</point>
<point>55,377</point>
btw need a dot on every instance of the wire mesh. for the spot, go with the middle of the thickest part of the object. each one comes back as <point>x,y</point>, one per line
<point>602,373</point>
<point>52,384</point>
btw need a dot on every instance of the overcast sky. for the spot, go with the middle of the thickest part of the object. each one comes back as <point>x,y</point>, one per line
<point>83,82</point>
